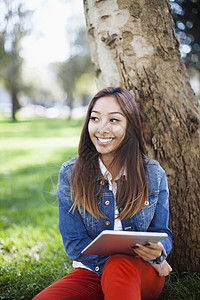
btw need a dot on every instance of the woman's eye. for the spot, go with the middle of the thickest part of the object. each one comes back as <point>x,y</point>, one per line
<point>94,118</point>
<point>113,120</point>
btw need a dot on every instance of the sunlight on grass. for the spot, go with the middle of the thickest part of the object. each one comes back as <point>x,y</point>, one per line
<point>31,251</point>
<point>37,143</point>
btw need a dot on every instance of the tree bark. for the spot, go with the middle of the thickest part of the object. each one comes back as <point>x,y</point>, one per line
<point>14,85</point>
<point>14,78</point>
<point>133,44</point>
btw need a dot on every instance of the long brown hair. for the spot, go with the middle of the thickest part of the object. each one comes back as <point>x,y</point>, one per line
<point>132,192</point>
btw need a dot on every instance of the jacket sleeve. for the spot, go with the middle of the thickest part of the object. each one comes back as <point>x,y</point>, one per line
<point>161,218</point>
<point>71,226</point>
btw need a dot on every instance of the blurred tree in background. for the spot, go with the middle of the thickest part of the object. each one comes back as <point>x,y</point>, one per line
<point>14,25</point>
<point>4,59</point>
<point>78,68</point>
<point>186,15</point>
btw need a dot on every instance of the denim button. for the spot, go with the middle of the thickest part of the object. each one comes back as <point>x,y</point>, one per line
<point>96,268</point>
<point>107,223</point>
<point>107,203</point>
<point>146,203</point>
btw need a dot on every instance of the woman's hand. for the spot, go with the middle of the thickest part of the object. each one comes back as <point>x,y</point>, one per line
<point>162,269</point>
<point>150,251</point>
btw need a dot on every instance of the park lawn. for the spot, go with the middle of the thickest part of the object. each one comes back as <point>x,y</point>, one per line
<point>31,252</point>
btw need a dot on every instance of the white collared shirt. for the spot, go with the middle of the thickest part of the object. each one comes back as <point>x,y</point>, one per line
<point>112,187</point>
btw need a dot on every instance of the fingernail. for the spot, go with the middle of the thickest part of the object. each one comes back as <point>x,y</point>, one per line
<point>135,247</point>
<point>147,244</point>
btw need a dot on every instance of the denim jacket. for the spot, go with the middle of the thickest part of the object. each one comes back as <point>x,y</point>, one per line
<point>79,229</point>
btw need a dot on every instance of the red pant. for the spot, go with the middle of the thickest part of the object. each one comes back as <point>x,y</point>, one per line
<point>124,277</point>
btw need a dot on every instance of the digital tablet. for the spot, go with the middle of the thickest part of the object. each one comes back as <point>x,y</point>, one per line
<point>110,242</point>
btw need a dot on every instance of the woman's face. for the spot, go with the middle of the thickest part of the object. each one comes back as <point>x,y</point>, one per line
<point>107,127</point>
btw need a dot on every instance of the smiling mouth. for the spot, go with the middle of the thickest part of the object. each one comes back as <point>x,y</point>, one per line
<point>104,140</point>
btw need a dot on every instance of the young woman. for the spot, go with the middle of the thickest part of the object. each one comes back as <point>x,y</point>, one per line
<point>112,185</point>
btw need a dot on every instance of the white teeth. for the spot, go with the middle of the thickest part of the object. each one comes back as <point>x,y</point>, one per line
<point>104,140</point>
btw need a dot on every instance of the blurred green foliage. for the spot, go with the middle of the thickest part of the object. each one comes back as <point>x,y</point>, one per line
<point>76,75</point>
<point>15,24</point>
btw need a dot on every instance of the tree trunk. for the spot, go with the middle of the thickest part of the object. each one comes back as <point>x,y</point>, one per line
<point>14,104</point>
<point>133,44</point>
<point>14,81</point>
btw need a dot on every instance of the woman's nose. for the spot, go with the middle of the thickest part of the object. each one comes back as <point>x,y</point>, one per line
<point>104,127</point>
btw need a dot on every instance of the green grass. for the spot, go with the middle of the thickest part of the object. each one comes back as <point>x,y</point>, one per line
<point>184,287</point>
<point>31,252</point>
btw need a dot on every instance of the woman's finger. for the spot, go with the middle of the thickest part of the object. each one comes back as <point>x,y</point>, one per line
<point>163,269</point>
<point>149,252</point>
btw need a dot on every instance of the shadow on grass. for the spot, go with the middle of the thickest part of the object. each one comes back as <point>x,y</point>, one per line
<point>184,286</point>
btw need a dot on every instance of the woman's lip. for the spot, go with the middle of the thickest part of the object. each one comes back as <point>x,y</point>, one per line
<point>104,138</point>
